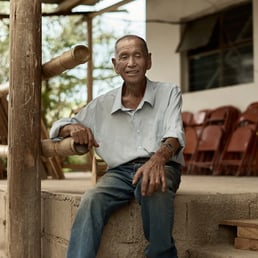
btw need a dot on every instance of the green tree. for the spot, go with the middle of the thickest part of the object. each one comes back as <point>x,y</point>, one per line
<point>68,91</point>
<point>4,46</point>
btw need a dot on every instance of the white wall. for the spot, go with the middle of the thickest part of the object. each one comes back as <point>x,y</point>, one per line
<point>163,40</point>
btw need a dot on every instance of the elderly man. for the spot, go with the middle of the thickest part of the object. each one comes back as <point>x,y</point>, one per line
<point>137,130</point>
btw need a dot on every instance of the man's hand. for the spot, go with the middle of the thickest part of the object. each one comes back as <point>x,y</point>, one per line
<point>80,134</point>
<point>153,176</point>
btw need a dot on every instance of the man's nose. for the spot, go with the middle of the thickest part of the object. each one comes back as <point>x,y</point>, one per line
<point>131,60</point>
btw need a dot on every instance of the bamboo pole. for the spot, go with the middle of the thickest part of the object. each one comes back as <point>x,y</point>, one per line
<point>3,150</point>
<point>78,55</point>
<point>4,89</point>
<point>64,147</point>
<point>50,148</point>
<point>24,191</point>
<point>90,63</point>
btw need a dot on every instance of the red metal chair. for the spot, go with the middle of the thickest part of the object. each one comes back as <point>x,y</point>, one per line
<point>208,150</point>
<point>253,105</point>
<point>187,117</point>
<point>235,157</point>
<point>226,116</point>
<point>190,148</point>
<point>199,120</point>
<point>249,118</point>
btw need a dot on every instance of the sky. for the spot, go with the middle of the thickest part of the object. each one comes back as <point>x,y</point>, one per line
<point>136,15</point>
<point>133,12</point>
<point>131,19</point>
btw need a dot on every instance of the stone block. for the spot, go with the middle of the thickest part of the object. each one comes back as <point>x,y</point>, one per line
<point>57,215</point>
<point>53,247</point>
<point>123,235</point>
<point>3,229</point>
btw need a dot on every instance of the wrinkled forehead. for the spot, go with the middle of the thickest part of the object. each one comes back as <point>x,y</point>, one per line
<point>131,44</point>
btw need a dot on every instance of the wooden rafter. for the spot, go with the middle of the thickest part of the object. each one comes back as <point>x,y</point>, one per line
<point>110,8</point>
<point>68,5</point>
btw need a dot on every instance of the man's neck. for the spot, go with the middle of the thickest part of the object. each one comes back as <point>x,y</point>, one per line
<point>132,95</point>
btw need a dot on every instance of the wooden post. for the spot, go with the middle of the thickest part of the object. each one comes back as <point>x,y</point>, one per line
<point>23,209</point>
<point>90,62</point>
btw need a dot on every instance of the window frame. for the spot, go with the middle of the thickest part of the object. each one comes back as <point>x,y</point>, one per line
<point>187,54</point>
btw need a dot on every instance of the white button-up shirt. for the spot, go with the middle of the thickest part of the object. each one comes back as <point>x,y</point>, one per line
<point>124,134</point>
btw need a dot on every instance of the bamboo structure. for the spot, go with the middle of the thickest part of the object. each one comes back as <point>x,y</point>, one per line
<point>50,148</point>
<point>24,152</point>
<point>68,60</point>
<point>3,150</point>
<point>78,55</point>
<point>24,190</point>
<point>4,89</point>
<point>64,147</point>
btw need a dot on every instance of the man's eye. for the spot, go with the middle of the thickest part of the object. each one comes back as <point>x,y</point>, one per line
<point>124,57</point>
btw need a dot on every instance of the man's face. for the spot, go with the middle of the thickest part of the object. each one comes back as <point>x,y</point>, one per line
<point>131,61</point>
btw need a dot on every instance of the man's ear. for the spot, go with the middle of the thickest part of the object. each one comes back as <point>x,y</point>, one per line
<point>149,62</point>
<point>114,64</point>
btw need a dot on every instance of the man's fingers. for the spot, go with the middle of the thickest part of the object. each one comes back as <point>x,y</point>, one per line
<point>163,183</point>
<point>153,179</point>
<point>144,185</point>
<point>91,140</point>
<point>83,135</point>
<point>136,177</point>
<point>151,186</point>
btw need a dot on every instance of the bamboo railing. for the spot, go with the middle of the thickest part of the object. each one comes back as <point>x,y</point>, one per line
<point>78,55</point>
<point>51,150</point>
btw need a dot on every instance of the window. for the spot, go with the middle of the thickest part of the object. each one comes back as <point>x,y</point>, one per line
<point>219,49</point>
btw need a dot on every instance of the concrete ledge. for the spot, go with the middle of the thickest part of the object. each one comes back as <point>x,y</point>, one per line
<point>197,219</point>
<point>221,251</point>
<point>196,228</point>
<point>122,236</point>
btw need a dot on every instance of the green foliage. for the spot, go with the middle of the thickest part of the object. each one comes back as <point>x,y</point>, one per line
<point>4,46</point>
<point>66,92</point>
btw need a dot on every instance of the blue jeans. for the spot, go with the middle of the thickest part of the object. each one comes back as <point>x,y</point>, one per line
<point>114,190</point>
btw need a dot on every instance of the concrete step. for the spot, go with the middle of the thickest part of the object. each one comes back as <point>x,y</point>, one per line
<point>221,251</point>
<point>201,204</point>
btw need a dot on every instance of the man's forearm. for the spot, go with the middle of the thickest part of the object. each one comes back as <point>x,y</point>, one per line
<point>167,150</point>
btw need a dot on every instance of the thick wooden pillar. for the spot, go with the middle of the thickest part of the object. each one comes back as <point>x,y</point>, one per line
<point>90,62</point>
<point>23,209</point>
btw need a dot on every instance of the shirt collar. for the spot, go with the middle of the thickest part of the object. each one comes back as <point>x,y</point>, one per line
<point>149,97</point>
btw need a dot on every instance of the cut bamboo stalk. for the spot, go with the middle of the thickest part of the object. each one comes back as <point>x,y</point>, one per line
<point>3,150</point>
<point>64,147</point>
<point>68,60</point>
<point>50,148</point>
<point>4,89</point>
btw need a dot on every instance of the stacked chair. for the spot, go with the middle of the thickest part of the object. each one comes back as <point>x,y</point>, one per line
<point>223,142</point>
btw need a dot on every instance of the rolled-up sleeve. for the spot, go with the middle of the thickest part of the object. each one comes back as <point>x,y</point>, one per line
<point>173,117</point>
